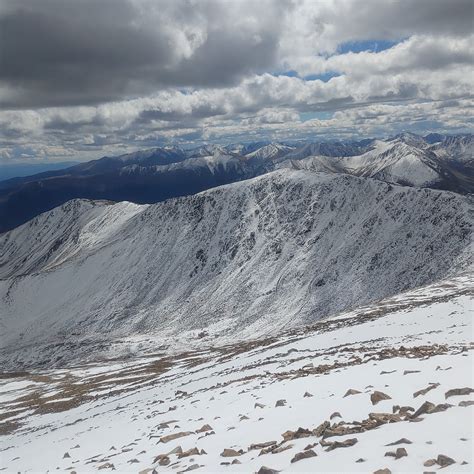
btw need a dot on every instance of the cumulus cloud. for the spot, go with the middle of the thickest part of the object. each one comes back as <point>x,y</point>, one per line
<point>85,78</point>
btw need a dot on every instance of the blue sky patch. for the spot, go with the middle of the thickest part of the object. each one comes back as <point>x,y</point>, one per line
<point>374,46</point>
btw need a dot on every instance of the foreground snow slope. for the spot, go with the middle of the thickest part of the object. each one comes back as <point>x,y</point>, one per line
<point>241,260</point>
<point>176,413</point>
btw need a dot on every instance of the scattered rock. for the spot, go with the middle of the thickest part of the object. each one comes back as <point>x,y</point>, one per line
<point>429,462</point>
<point>171,437</point>
<point>259,405</point>
<point>190,468</point>
<point>230,453</point>
<point>303,455</point>
<point>377,397</point>
<point>190,452</point>
<point>266,444</point>
<point>399,441</point>
<point>164,460</point>
<point>360,460</point>
<point>399,453</point>
<point>66,455</point>
<point>383,471</point>
<point>306,395</point>
<point>280,403</point>
<point>319,431</point>
<point>267,470</point>
<point>444,461</point>
<point>385,372</point>
<point>133,461</point>
<point>236,461</point>
<point>351,391</point>
<point>338,444</point>
<point>426,407</point>
<point>299,433</point>
<point>406,372</point>
<point>335,414</point>
<point>107,465</point>
<point>424,391</point>
<point>458,392</point>
<point>204,428</point>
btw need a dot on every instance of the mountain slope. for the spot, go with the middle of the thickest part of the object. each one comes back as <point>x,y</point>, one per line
<point>271,398</point>
<point>407,160</point>
<point>249,258</point>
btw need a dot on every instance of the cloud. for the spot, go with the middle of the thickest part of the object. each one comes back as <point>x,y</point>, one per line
<point>85,78</point>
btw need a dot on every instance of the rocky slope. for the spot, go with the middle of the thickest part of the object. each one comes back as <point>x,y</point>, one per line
<point>383,389</point>
<point>234,262</point>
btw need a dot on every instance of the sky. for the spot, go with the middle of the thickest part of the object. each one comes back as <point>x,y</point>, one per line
<point>81,79</point>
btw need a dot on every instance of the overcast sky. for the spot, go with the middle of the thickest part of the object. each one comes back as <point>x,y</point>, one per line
<point>86,78</point>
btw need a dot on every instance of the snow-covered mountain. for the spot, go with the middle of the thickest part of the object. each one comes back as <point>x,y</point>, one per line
<point>246,259</point>
<point>151,176</point>
<point>406,159</point>
<point>270,152</point>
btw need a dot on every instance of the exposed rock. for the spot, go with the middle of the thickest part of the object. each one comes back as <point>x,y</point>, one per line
<point>189,452</point>
<point>229,453</point>
<point>310,446</point>
<point>399,453</point>
<point>466,403</point>
<point>107,465</point>
<point>406,372</point>
<point>335,414</point>
<point>360,460</point>
<point>280,403</point>
<point>267,470</point>
<point>377,396</point>
<point>383,471</point>
<point>319,431</point>
<point>236,461</point>
<point>299,433</point>
<point>266,444</point>
<point>424,391</point>
<point>164,460</point>
<point>399,441</point>
<point>133,461</point>
<point>444,461</point>
<point>351,391</point>
<point>429,462</point>
<point>385,372</point>
<point>259,405</point>
<point>303,455</point>
<point>338,444</point>
<point>66,455</point>
<point>441,407</point>
<point>307,395</point>
<point>171,437</point>
<point>458,392</point>
<point>190,468</point>
<point>204,428</point>
<point>426,407</point>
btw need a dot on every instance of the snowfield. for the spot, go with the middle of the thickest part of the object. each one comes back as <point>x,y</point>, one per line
<point>383,388</point>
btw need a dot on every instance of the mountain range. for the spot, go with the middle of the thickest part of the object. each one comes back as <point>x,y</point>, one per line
<point>240,261</point>
<point>151,176</point>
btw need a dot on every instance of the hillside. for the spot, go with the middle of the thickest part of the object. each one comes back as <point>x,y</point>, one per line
<point>238,261</point>
<point>388,386</point>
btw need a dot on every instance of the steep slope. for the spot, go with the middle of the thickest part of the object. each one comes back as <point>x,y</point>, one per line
<point>249,258</point>
<point>395,377</point>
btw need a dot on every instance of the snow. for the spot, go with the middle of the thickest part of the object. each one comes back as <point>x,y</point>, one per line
<point>240,261</point>
<point>222,385</point>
